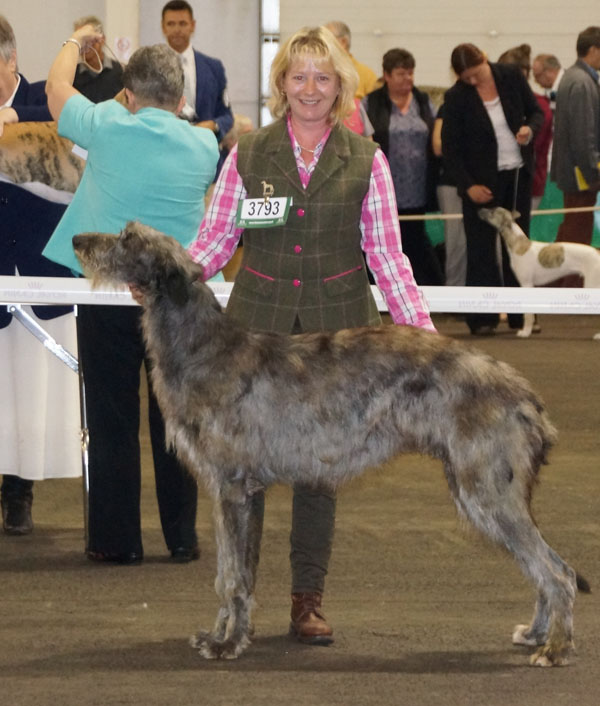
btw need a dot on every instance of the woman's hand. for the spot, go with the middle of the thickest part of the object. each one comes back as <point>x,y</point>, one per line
<point>59,85</point>
<point>136,294</point>
<point>478,193</point>
<point>524,135</point>
<point>86,36</point>
<point>7,115</point>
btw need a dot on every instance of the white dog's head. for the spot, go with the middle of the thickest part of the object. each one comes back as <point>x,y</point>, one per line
<point>500,218</point>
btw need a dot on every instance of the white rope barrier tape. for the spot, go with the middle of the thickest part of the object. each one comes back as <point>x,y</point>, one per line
<point>457,216</point>
<point>542,300</point>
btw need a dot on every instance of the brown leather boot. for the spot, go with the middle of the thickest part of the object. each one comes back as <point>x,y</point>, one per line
<point>308,622</point>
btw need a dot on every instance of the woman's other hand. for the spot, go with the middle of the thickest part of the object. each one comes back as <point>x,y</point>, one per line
<point>524,135</point>
<point>136,294</point>
<point>478,193</point>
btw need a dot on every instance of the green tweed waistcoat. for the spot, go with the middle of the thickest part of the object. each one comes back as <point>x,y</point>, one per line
<point>312,268</point>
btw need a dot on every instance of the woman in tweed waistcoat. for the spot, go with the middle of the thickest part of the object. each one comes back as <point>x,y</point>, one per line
<point>308,273</point>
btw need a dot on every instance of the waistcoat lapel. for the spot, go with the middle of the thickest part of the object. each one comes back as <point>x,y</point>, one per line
<point>334,156</point>
<point>281,156</point>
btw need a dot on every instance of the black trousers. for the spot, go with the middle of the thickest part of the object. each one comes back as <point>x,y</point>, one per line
<point>15,487</point>
<point>416,245</point>
<point>483,269</point>
<point>111,352</point>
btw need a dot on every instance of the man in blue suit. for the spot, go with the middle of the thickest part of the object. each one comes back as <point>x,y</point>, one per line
<point>205,89</point>
<point>27,221</point>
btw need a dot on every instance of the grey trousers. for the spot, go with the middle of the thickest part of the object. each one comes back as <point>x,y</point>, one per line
<point>454,237</point>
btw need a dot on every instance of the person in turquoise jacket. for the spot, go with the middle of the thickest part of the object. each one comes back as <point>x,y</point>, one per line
<point>144,164</point>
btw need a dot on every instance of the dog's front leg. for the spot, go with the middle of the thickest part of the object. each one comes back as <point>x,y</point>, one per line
<point>234,581</point>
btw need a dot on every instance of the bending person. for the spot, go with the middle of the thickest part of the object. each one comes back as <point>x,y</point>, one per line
<point>490,118</point>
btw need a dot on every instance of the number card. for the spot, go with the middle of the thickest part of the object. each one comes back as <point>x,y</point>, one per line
<point>263,213</point>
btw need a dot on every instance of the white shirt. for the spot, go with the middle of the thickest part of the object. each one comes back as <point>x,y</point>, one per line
<point>551,92</point>
<point>10,100</point>
<point>509,152</point>
<point>189,89</point>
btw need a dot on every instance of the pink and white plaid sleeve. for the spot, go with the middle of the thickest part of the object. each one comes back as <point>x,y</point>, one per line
<point>382,245</point>
<point>218,237</point>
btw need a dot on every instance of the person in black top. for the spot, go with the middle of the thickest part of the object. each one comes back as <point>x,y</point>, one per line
<point>98,76</point>
<point>402,117</point>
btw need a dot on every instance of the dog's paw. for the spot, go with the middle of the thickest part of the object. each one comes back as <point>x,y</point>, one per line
<point>521,636</point>
<point>523,333</point>
<point>549,656</point>
<point>197,640</point>
<point>211,648</point>
<point>596,337</point>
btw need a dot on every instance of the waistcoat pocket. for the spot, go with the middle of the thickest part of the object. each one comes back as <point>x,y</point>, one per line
<point>255,281</point>
<point>344,282</point>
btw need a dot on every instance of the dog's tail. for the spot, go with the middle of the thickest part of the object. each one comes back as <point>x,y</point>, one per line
<point>583,585</point>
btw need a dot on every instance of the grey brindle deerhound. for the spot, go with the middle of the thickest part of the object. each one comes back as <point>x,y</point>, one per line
<point>245,410</point>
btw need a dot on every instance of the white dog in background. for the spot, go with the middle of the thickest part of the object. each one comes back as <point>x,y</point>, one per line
<point>535,263</point>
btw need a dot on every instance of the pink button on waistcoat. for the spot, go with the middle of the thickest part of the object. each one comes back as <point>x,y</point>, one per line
<point>300,212</point>
<point>297,249</point>
<point>297,283</point>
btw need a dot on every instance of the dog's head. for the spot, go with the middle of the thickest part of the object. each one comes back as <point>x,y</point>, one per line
<point>154,263</point>
<point>498,217</point>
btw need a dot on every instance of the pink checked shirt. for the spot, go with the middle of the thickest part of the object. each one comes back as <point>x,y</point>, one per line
<point>218,236</point>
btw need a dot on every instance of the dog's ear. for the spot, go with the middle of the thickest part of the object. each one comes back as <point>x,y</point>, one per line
<point>177,286</point>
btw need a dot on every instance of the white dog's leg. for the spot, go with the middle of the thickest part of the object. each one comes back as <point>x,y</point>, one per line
<point>528,320</point>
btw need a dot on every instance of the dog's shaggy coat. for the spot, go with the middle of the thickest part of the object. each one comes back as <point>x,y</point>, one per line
<point>245,410</point>
<point>34,152</point>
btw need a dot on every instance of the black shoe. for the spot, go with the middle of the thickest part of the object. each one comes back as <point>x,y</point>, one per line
<point>483,331</point>
<point>125,558</point>
<point>183,555</point>
<point>16,515</point>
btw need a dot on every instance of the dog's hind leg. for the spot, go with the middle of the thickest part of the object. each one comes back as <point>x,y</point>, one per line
<point>536,632</point>
<point>558,587</point>
<point>509,523</point>
<point>236,528</point>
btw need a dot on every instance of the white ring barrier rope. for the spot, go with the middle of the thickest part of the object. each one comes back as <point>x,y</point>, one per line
<point>457,216</point>
<point>540,300</point>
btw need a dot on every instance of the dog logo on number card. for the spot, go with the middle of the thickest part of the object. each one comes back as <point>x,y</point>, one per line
<point>268,190</point>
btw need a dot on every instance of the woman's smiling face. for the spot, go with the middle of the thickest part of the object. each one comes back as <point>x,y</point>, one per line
<point>311,89</point>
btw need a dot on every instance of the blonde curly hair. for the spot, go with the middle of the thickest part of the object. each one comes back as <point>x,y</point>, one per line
<point>320,45</point>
